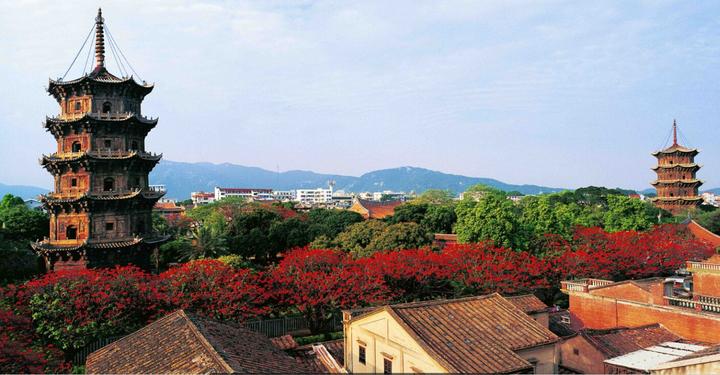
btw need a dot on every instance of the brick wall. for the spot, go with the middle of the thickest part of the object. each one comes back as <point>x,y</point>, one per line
<point>600,312</point>
<point>578,354</point>
<point>706,283</point>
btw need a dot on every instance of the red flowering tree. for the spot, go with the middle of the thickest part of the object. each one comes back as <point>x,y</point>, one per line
<point>212,288</point>
<point>629,254</point>
<point>318,283</point>
<point>20,349</point>
<point>74,308</point>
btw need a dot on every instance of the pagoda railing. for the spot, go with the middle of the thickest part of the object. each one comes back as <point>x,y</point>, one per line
<point>103,153</point>
<point>702,266</point>
<point>103,116</point>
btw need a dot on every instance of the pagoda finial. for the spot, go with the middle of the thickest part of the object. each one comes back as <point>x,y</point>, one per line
<point>674,133</point>
<point>99,40</point>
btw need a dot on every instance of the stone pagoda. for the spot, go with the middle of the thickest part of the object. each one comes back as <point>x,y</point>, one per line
<point>676,184</point>
<point>101,207</point>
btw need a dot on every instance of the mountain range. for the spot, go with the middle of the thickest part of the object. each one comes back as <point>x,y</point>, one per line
<point>183,178</point>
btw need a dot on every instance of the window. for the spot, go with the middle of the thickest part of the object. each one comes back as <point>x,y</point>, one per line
<point>76,147</point>
<point>78,105</point>
<point>108,143</point>
<point>387,366</point>
<point>109,227</point>
<point>534,363</point>
<point>71,232</point>
<point>73,182</point>
<point>140,227</point>
<point>576,351</point>
<point>107,107</point>
<point>134,146</point>
<point>109,184</point>
<point>361,354</point>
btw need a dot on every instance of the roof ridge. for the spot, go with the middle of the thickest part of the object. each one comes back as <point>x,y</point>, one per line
<point>194,320</point>
<point>442,301</point>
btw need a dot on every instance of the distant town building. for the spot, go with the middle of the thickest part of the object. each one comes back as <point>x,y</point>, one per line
<point>200,198</point>
<point>374,210</point>
<point>249,194</point>
<point>101,207</point>
<point>169,209</point>
<point>284,195</point>
<point>184,343</point>
<point>313,196</point>
<point>388,195</point>
<point>487,334</point>
<point>710,199</point>
<point>676,183</point>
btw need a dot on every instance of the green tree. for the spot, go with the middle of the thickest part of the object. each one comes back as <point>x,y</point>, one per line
<point>205,243</point>
<point>359,235</point>
<point>409,213</point>
<point>439,219</point>
<point>487,214</point>
<point>436,197</point>
<point>710,220</point>
<point>395,237</point>
<point>329,223</point>
<point>625,213</point>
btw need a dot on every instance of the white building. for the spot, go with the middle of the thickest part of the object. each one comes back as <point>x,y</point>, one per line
<point>314,196</point>
<point>388,195</point>
<point>284,195</point>
<point>249,194</point>
<point>200,198</point>
<point>710,199</point>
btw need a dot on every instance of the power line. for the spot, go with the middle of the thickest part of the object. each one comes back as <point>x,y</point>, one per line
<point>121,52</point>
<point>78,53</point>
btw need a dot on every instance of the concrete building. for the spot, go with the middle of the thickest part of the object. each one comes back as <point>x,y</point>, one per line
<point>313,196</point>
<point>486,334</point>
<point>200,198</point>
<point>284,195</point>
<point>248,194</point>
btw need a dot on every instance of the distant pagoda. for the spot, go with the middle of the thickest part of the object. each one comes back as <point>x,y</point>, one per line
<point>101,207</point>
<point>676,184</point>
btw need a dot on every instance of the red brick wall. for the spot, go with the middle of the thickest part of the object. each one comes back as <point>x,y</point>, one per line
<point>707,284</point>
<point>602,312</point>
<point>628,291</point>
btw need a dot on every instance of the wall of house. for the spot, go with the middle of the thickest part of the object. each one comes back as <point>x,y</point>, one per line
<point>706,283</point>
<point>578,354</point>
<point>542,317</point>
<point>382,338</point>
<point>545,358</point>
<point>592,311</point>
<point>628,291</point>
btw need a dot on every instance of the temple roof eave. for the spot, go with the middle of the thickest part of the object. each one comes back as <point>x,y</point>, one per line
<point>683,150</point>
<point>103,79</point>
<point>678,181</point>
<point>678,166</point>
<point>49,121</point>
<point>140,194</point>
<point>77,156</point>
<point>676,199</point>
<point>46,246</point>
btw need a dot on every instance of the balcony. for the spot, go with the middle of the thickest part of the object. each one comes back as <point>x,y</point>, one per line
<point>699,303</point>
<point>582,285</point>
<point>702,266</point>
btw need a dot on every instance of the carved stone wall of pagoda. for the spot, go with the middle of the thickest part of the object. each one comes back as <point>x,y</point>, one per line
<point>676,184</point>
<point>101,207</point>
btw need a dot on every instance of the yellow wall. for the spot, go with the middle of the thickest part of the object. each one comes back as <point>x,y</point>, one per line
<point>384,337</point>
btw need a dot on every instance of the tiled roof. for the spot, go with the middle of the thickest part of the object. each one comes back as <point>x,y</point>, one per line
<point>476,334</point>
<point>619,341</point>
<point>528,303</point>
<point>310,359</point>
<point>712,350</point>
<point>446,237</point>
<point>184,343</point>
<point>286,342</point>
<point>559,323</point>
<point>379,210</point>
<point>704,234</point>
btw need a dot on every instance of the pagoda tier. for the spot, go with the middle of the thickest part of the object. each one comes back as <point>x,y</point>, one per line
<point>99,160</point>
<point>98,80</point>
<point>101,207</point>
<point>98,253</point>
<point>126,123</point>
<point>676,183</point>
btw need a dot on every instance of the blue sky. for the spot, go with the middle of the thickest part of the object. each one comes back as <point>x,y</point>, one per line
<point>559,93</point>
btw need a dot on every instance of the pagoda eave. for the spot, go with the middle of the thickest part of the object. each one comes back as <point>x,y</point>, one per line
<point>46,247</point>
<point>690,200</point>
<point>691,167</point>
<point>58,88</point>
